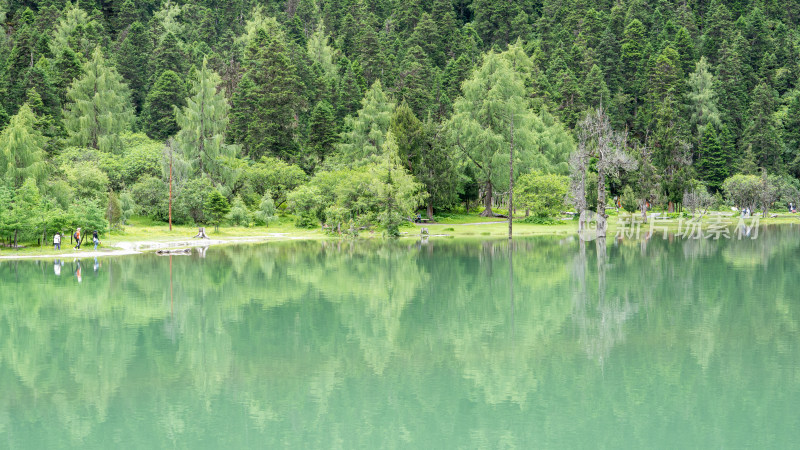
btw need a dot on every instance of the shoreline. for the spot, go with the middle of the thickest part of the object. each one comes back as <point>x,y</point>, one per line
<point>119,246</point>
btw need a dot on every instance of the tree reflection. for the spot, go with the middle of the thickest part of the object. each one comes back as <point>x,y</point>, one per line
<point>319,344</point>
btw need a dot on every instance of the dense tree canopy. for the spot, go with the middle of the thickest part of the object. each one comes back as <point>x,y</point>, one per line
<point>703,90</point>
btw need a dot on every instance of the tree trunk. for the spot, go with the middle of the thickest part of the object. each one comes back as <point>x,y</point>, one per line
<point>430,211</point>
<point>15,238</point>
<point>487,201</point>
<point>601,204</point>
<point>671,207</point>
<point>644,212</point>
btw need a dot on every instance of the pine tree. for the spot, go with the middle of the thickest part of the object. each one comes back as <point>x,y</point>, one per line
<point>322,129</point>
<point>215,208</point>
<point>365,134</point>
<point>22,149</point>
<point>416,79</point>
<point>264,106</point>
<point>66,68</point>
<point>25,53</point>
<point>717,28</point>
<point>99,107</point>
<point>685,47</point>
<point>132,61</point>
<point>202,123</point>
<point>712,165</point>
<point>348,92</point>
<point>168,55</point>
<point>126,14</point>
<point>168,93</point>
<point>595,91</point>
<point>761,134</point>
<point>632,57</point>
<point>407,132</point>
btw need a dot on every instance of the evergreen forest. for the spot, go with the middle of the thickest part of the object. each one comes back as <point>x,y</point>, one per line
<point>361,113</point>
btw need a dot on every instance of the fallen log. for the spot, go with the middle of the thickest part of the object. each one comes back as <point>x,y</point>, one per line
<point>180,251</point>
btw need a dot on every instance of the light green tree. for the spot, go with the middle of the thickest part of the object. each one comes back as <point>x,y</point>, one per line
<point>99,107</point>
<point>21,149</point>
<point>544,195</point>
<point>366,131</point>
<point>493,115</point>
<point>702,99</point>
<point>202,123</point>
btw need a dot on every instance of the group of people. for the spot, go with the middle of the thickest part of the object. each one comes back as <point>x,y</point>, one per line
<point>77,237</point>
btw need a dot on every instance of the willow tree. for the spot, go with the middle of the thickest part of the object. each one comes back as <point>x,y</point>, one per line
<point>99,107</point>
<point>202,122</point>
<point>492,116</point>
<point>22,149</point>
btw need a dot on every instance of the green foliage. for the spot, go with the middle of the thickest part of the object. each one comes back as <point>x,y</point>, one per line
<point>366,133</point>
<point>297,72</point>
<point>168,93</point>
<point>266,100</point>
<point>151,195</point>
<point>743,190</point>
<point>266,210</point>
<point>114,211</point>
<point>377,192</point>
<point>99,108</point>
<point>190,201</point>
<point>629,201</point>
<point>544,195</point>
<point>275,177</point>
<point>21,149</point>
<point>216,207</point>
<point>239,214</point>
<point>202,123</point>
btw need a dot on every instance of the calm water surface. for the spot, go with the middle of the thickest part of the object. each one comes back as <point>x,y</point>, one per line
<point>445,344</point>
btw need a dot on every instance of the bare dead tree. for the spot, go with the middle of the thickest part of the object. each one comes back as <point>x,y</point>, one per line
<point>596,139</point>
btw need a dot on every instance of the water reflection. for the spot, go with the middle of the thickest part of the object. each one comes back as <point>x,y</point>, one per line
<point>409,343</point>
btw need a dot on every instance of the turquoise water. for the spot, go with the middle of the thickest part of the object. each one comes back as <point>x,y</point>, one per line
<point>440,344</point>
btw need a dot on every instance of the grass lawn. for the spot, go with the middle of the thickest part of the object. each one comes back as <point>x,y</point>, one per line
<point>451,225</point>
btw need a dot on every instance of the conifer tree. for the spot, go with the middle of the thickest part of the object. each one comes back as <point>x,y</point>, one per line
<point>348,92</point>
<point>365,133</point>
<point>264,106</point>
<point>416,80</point>
<point>132,62</point>
<point>99,107</point>
<point>202,123</point>
<point>761,132</point>
<point>322,129</point>
<point>711,164</point>
<point>167,93</point>
<point>702,100</point>
<point>493,112</point>
<point>167,55</point>
<point>22,149</point>
<point>595,91</point>
<point>66,68</point>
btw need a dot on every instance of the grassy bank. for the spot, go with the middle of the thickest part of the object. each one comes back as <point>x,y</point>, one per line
<point>450,226</point>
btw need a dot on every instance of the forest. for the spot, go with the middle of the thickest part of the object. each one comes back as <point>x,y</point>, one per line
<point>357,113</point>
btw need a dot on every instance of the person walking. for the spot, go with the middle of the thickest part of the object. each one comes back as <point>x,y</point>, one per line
<point>57,241</point>
<point>77,237</point>
<point>95,239</point>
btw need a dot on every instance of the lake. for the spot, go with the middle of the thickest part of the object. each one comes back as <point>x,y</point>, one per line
<point>547,343</point>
